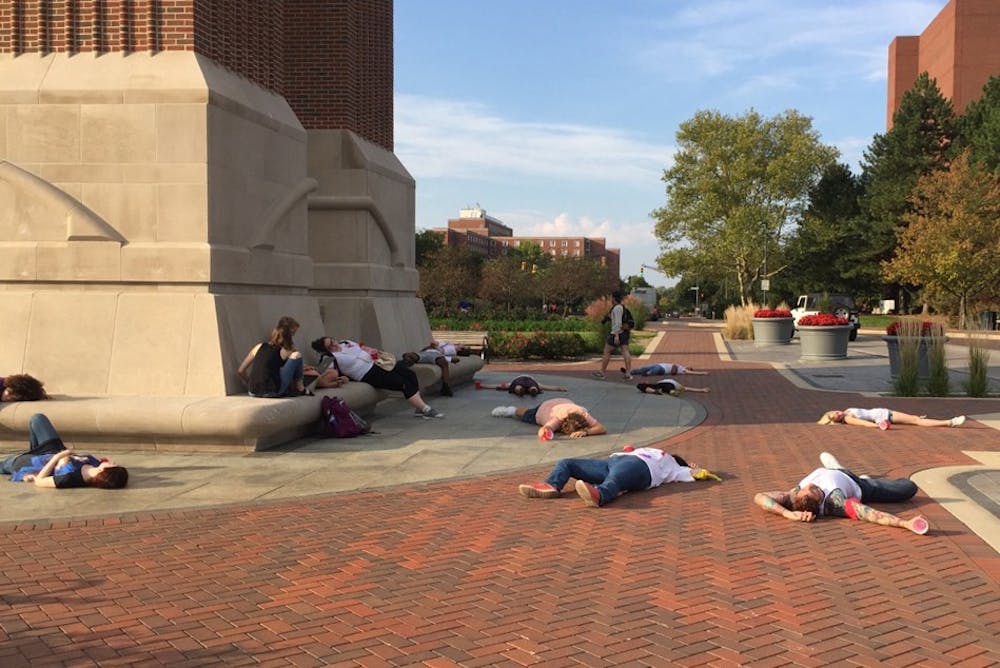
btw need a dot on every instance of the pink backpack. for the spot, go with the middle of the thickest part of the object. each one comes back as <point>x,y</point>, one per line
<point>337,420</point>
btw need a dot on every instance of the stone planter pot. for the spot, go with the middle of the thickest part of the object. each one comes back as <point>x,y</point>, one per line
<point>773,330</point>
<point>824,343</point>
<point>923,363</point>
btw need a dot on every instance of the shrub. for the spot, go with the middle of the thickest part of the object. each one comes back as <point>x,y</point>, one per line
<point>906,383</point>
<point>978,384</point>
<point>546,345</point>
<point>739,323</point>
<point>937,381</point>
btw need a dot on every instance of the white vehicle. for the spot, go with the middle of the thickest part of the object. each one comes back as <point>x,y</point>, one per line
<point>841,305</point>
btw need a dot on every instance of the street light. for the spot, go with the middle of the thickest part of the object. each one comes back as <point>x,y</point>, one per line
<point>697,293</point>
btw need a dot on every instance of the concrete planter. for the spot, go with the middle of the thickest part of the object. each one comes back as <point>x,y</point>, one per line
<point>773,330</point>
<point>923,363</point>
<point>824,343</point>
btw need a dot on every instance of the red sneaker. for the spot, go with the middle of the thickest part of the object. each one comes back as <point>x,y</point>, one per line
<point>539,490</point>
<point>590,494</point>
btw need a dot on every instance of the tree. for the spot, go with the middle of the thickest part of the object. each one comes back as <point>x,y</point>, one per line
<point>427,242</point>
<point>449,275</point>
<point>569,280</point>
<point>920,141</point>
<point>736,183</point>
<point>636,282</point>
<point>505,282</point>
<point>980,126</point>
<point>952,240</point>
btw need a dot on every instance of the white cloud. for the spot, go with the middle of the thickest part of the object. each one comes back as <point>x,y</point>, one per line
<point>448,138</point>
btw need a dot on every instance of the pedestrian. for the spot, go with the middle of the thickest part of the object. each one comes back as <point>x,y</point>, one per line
<point>601,481</point>
<point>618,338</point>
<point>883,417</point>
<point>554,415</point>
<point>836,492</point>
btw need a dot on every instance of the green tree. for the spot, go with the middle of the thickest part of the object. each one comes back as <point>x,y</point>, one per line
<point>735,185</point>
<point>636,282</point>
<point>569,281</point>
<point>979,126</point>
<point>505,282</point>
<point>952,240</point>
<point>923,130</point>
<point>448,276</point>
<point>427,242</point>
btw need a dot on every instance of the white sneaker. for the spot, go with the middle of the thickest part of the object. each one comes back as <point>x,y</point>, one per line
<point>958,421</point>
<point>504,411</point>
<point>829,461</point>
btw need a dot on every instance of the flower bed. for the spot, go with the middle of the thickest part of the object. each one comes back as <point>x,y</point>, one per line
<point>927,328</point>
<point>822,320</point>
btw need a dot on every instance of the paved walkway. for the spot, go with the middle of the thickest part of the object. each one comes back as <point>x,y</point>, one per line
<point>413,548</point>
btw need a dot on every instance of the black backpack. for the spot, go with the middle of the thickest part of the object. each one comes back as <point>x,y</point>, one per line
<point>628,322</point>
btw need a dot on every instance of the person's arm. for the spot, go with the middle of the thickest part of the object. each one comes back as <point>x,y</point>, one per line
<point>552,388</point>
<point>247,361</point>
<point>857,422</point>
<point>780,503</point>
<point>854,509</point>
<point>44,477</point>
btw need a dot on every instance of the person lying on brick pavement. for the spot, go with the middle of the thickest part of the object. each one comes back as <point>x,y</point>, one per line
<point>883,417</point>
<point>554,415</point>
<point>601,481</point>
<point>664,369</point>
<point>49,463</point>
<point>834,491</point>
<point>523,385</point>
<point>668,386</point>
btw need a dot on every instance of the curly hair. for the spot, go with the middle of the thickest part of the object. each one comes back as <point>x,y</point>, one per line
<point>24,388</point>
<point>806,504</point>
<point>574,422</point>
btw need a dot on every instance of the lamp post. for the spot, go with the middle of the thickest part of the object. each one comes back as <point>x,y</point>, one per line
<point>697,305</point>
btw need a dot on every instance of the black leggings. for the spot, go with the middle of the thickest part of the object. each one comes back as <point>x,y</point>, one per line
<point>400,379</point>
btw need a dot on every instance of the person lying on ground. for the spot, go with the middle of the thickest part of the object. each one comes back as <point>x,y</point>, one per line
<point>668,386</point>
<point>357,362</point>
<point>664,369</point>
<point>836,492</point>
<point>21,387</point>
<point>49,463</point>
<point>555,415</point>
<point>448,349</point>
<point>526,385</point>
<point>273,368</point>
<point>883,417</point>
<point>601,481</point>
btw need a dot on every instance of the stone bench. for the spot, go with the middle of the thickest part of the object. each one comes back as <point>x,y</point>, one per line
<point>199,424</point>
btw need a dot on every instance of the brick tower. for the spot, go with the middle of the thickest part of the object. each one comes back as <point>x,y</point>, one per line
<point>177,174</point>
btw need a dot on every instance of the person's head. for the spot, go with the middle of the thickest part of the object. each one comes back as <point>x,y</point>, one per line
<point>22,387</point>
<point>831,417</point>
<point>616,296</point>
<point>287,325</point>
<point>808,499</point>
<point>574,422</point>
<point>324,345</point>
<point>107,476</point>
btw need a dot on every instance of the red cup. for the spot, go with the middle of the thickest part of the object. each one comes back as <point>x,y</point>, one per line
<point>628,448</point>
<point>478,385</point>
<point>547,434</point>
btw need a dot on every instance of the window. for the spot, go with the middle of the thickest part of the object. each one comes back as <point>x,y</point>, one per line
<point>565,242</point>
<point>577,244</point>
<point>552,242</point>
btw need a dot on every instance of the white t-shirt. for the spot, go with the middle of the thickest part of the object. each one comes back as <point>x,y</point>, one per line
<point>662,467</point>
<point>875,415</point>
<point>829,480</point>
<point>353,361</point>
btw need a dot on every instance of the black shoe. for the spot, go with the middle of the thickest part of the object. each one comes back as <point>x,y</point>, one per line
<point>642,387</point>
<point>446,390</point>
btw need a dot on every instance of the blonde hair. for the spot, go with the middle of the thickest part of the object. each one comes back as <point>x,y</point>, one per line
<point>827,418</point>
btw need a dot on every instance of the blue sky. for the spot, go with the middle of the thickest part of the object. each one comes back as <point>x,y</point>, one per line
<point>559,116</point>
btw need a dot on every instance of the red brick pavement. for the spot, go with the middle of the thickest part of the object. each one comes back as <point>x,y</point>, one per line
<point>468,573</point>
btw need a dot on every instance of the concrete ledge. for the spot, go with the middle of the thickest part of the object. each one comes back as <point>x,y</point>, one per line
<point>198,424</point>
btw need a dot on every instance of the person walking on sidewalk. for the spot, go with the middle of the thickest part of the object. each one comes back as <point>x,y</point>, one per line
<point>836,492</point>
<point>601,481</point>
<point>618,338</point>
<point>883,417</point>
<point>554,415</point>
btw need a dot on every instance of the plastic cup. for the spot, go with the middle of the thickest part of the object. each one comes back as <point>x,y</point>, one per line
<point>547,434</point>
<point>478,385</point>
<point>628,448</point>
<point>883,425</point>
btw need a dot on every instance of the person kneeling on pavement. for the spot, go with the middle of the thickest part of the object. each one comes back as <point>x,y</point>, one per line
<point>601,481</point>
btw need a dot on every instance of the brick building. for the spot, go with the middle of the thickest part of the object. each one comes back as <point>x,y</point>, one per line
<point>959,48</point>
<point>486,235</point>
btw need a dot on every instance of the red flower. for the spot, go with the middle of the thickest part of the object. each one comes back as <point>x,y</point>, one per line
<point>927,328</point>
<point>821,320</point>
<point>772,313</point>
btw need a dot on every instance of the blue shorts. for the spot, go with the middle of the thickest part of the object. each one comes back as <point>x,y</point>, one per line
<point>529,415</point>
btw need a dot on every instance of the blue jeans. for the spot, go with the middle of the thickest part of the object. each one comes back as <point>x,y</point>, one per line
<point>651,370</point>
<point>625,473</point>
<point>884,490</point>
<point>290,370</point>
<point>43,438</point>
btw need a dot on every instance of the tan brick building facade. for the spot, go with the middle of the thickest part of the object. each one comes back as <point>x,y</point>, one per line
<point>960,49</point>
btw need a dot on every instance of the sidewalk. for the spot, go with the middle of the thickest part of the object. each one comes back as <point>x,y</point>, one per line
<point>413,547</point>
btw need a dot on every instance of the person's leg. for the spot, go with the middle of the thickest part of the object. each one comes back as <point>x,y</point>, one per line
<point>899,417</point>
<point>648,370</point>
<point>626,355</point>
<point>442,363</point>
<point>42,437</point>
<point>605,358</point>
<point>884,490</point>
<point>626,474</point>
<point>593,471</point>
<point>290,374</point>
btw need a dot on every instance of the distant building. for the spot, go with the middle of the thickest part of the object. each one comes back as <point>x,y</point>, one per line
<point>489,236</point>
<point>959,48</point>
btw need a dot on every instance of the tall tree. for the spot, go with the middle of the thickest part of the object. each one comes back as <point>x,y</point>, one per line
<point>735,184</point>
<point>979,126</point>
<point>449,276</point>
<point>427,242</point>
<point>920,141</point>
<point>952,240</point>
<point>505,281</point>
<point>569,280</point>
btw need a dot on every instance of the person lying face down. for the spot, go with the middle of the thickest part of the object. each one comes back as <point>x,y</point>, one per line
<point>555,415</point>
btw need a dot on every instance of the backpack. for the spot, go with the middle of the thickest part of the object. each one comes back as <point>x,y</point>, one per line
<point>628,322</point>
<point>337,420</point>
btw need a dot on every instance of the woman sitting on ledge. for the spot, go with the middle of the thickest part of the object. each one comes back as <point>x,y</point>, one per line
<point>49,463</point>
<point>883,417</point>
